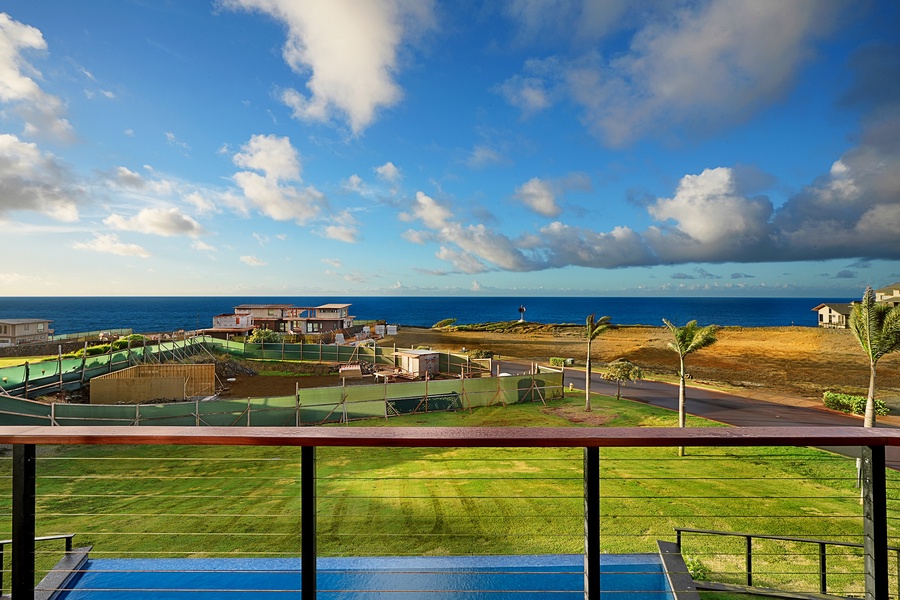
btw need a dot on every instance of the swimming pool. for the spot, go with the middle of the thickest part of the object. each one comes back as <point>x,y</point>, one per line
<point>625,577</point>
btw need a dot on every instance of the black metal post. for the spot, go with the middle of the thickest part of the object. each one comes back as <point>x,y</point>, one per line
<point>23,521</point>
<point>308,522</point>
<point>823,570</point>
<point>749,560</point>
<point>875,540</point>
<point>592,523</point>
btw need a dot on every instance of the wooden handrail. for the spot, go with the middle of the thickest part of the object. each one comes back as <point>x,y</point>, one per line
<point>458,437</point>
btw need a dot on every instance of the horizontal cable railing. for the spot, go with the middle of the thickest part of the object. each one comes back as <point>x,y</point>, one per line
<point>413,510</point>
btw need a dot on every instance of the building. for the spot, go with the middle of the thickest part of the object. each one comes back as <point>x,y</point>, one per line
<point>320,319</point>
<point>24,331</point>
<point>229,325</point>
<point>835,315</point>
<point>286,318</point>
<point>889,295</point>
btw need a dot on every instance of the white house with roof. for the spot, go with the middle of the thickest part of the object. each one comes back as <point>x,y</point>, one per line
<point>837,314</point>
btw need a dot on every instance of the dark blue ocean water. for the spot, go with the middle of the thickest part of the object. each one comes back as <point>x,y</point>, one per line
<point>168,313</point>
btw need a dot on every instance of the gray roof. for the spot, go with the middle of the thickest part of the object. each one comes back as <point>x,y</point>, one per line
<point>24,321</point>
<point>838,307</point>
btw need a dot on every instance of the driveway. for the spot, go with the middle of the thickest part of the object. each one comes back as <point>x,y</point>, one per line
<point>732,409</point>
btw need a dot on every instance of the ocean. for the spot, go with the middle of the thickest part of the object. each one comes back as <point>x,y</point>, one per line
<point>172,313</point>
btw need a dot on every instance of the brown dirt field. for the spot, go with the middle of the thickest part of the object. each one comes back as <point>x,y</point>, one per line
<point>798,362</point>
<point>794,361</point>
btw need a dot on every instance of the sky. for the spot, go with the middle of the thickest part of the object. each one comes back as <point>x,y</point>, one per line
<point>421,147</point>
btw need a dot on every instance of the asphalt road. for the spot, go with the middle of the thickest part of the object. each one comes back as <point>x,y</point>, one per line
<point>719,406</point>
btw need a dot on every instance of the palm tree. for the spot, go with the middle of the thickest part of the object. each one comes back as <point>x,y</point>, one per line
<point>591,330</point>
<point>877,328</point>
<point>688,339</point>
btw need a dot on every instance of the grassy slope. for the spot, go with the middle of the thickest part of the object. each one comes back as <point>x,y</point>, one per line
<point>159,501</point>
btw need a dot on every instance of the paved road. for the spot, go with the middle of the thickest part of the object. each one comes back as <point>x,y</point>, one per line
<point>719,406</point>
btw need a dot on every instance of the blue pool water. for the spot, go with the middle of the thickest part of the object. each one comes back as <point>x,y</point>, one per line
<point>625,577</point>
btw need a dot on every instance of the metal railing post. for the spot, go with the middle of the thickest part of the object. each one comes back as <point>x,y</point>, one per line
<point>823,570</point>
<point>23,521</point>
<point>591,523</point>
<point>749,560</point>
<point>308,522</point>
<point>875,525</point>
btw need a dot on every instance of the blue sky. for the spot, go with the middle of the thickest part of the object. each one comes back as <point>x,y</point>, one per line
<point>416,147</point>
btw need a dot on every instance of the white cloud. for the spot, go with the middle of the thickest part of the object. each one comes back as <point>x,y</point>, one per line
<point>717,221</point>
<point>484,156</point>
<point>461,261</point>
<point>388,172</point>
<point>343,228</point>
<point>43,113</point>
<point>203,246</point>
<point>110,244</point>
<point>273,155</point>
<point>334,262</point>
<point>432,213</point>
<point>253,261</point>
<point>692,67</point>
<point>539,196</point>
<point>201,203</point>
<point>173,140</point>
<point>157,221</point>
<point>349,51</point>
<point>32,180</point>
<point>280,164</point>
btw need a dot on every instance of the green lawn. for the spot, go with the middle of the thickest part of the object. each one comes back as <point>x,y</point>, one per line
<point>245,501</point>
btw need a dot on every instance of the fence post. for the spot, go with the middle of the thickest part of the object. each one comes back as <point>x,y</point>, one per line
<point>749,560</point>
<point>591,523</point>
<point>875,523</point>
<point>308,522</point>
<point>23,521</point>
<point>27,374</point>
<point>823,569</point>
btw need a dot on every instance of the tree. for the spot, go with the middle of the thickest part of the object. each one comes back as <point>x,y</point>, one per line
<point>591,330</point>
<point>622,371</point>
<point>877,329</point>
<point>263,336</point>
<point>688,339</point>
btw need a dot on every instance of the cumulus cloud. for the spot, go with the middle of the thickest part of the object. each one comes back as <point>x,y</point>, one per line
<point>43,113</point>
<point>203,246</point>
<point>272,192</point>
<point>36,181</point>
<point>157,221</point>
<point>541,194</point>
<point>350,52</point>
<point>111,244</point>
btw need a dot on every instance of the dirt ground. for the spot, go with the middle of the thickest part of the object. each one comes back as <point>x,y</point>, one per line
<point>793,361</point>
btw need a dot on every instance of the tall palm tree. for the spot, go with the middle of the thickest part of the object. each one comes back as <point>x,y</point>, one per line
<point>688,339</point>
<point>592,329</point>
<point>877,328</point>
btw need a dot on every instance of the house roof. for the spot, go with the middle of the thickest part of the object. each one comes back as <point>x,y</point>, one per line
<point>264,306</point>
<point>333,306</point>
<point>24,321</point>
<point>838,307</point>
<point>414,352</point>
<point>889,290</point>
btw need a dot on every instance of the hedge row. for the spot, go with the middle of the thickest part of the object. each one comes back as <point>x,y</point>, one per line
<point>852,404</point>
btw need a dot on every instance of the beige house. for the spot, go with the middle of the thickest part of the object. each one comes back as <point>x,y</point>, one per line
<point>24,331</point>
<point>419,363</point>
<point>889,295</point>
<point>835,315</point>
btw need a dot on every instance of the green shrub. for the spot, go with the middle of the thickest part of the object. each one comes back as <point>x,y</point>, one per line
<point>698,571</point>
<point>852,404</point>
<point>443,323</point>
<point>264,336</point>
<point>97,350</point>
<point>556,361</point>
<point>480,353</point>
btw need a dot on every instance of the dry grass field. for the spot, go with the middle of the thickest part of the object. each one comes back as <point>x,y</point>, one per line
<point>794,361</point>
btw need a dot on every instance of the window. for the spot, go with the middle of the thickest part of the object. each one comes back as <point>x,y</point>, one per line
<point>271,312</point>
<point>40,327</point>
<point>312,327</point>
<point>27,326</point>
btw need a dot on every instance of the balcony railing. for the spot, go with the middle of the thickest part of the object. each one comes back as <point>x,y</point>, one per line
<point>873,518</point>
